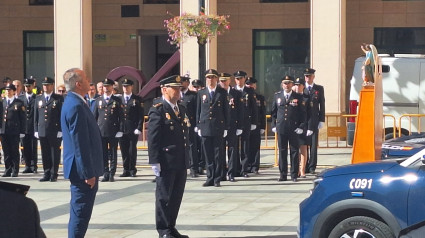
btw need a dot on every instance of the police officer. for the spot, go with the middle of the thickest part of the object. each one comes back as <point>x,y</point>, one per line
<point>288,117</point>
<point>212,117</point>
<point>12,128</point>
<point>133,118</point>
<point>249,121</point>
<point>167,148</point>
<point>29,142</point>
<point>234,98</point>
<point>188,100</point>
<point>47,129</point>
<point>255,137</point>
<point>108,114</point>
<point>316,121</point>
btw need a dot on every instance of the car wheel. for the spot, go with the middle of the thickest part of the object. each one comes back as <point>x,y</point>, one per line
<point>361,227</point>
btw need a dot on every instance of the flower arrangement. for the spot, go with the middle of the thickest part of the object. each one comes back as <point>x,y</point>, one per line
<point>203,27</point>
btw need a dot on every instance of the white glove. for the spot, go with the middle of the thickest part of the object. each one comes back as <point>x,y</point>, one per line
<point>156,168</point>
<point>137,132</point>
<point>253,127</point>
<point>36,134</point>
<point>195,129</point>
<point>321,125</point>
<point>309,133</point>
<point>262,131</point>
<point>59,134</point>
<point>225,133</point>
<point>199,133</point>
<point>21,136</point>
<point>118,135</point>
<point>274,129</point>
<point>299,131</point>
<point>239,132</point>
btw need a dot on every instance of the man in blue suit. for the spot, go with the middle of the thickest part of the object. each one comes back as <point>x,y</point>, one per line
<point>82,151</point>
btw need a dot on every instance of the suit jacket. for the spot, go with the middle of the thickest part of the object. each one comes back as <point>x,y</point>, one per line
<point>109,115</point>
<point>212,114</point>
<point>82,142</point>
<point>13,119</point>
<point>261,106</point>
<point>235,109</point>
<point>168,137</point>
<point>189,101</point>
<point>47,115</point>
<point>316,105</point>
<point>250,110</point>
<point>30,112</point>
<point>133,114</point>
<point>288,115</point>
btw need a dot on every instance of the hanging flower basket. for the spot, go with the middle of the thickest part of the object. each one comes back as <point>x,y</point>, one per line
<point>203,27</point>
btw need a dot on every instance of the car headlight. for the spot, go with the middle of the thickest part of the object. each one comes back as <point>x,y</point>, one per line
<point>316,183</point>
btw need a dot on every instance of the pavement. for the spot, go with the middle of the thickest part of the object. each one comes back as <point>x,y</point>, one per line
<point>254,207</point>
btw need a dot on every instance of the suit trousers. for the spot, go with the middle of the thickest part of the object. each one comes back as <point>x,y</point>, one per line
<point>244,151</point>
<point>50,153</point>
<point>128,145</point>
<point>29,143</point>
<point>169,194</point>
<point>10,144</point>
<point>283,140</point>
<point>81,207</point>
<point>233,165</point>
<point>193,150</point>
<point>212,146</point>
<point>109,146</point>
<point>254,150</point>
<point>312,158</point>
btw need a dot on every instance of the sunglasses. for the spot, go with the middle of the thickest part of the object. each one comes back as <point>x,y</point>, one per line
<point>61,91</point>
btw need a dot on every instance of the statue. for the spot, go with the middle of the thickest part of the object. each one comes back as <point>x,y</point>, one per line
<point>368,68</point>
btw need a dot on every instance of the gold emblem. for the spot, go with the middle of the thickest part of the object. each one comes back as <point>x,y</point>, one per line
<point>167,115</point>
<point>178,79</point>
<point>40,104</point>
<point>100,104</point>
<point>186,120</point>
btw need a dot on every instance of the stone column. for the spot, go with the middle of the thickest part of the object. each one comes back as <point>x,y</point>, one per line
<point>189,49</point>
<point>73,36</point>
<point>211,47</point>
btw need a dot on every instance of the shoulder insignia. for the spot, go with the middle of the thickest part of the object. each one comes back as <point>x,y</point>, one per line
<point>158,104</point>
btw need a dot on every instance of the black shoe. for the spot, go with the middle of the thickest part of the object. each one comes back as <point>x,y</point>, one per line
<point>105,179</point>
<point>245,175</point>
<point>312,171</point>
<point>44,178</point>
<point>125,174</point>
<point>282,179</point>
<point>193,174</point>
<point>217,184</point>
<point>294,179</point>
<point>27,171</point>
<point>14,174</point>
<point>201,171</point>
<point>176,234</point>
<point>232,179</point>
<point>256,172</point>
<point>224,178</point>
<point>132,174</point>
<point>153,180</point>
<point>53,178</point>
<point>111,178</point>
<point>167,236</point>
<point>206,184</point>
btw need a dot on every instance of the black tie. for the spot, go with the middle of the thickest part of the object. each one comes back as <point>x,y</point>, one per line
<point>126,99</point>
<point>107,99</point>
<point>47,98</point>
<point>212,94</point>
<point>176,110</point>
<point>8,102</point>
<point>309,89</point>
<point>287,96</point>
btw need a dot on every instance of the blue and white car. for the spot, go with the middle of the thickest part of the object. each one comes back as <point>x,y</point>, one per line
<point>403,147</point>
<point>378,199</point>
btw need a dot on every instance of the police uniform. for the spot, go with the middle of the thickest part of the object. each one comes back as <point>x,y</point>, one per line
<point>250,112</point>
<point>29,142</point>
<point>255,136</point>
<point>167,146</point>
<point>132,120</point>
<point>188,100</point>
<point>108,114</point>
<point>234,98</point>
<point>48,129</point>
<point>316,102</point>
<point>212,119</point>
<point>287,116</point>
<point>13,125</point>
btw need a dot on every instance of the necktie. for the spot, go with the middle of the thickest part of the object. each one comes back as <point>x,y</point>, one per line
<point>176,110</point>
<point>126,99</point>
<point>107,99</point>
<point>47,98</point>
<point>8,102</point>
<point>212,94</point>
<point>309,89</point>
<point>29,98</point>
<point>287,96</point>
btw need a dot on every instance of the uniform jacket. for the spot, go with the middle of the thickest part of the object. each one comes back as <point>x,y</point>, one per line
<point>29,113</point>
<point>91,102</point>
<point>82,142</point>
<point>261,106</point>
<point>189,101</point>
<point>316,105</point>
<point>13,119</point>
<point>234,98</point>
<point>133,114</point>
<point>212,114</point>
<point>288,115</point>
<point>47,115</point>
<point>109,115</point>
<point>250,110</point>
<point>168,137</point>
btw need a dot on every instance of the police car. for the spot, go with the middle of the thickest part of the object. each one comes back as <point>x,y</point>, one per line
<point>403,147</point>
<point>378,199</point>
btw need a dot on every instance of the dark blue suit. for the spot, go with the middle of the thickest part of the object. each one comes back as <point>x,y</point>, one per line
<point>82,159</point>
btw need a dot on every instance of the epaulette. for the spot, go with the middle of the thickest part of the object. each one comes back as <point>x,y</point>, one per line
<point>158,104</point>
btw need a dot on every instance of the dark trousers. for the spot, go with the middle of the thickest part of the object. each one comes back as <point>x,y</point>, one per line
<point>169,194</point>
<point>109,146</point>
<point>10,144</point>
<point>283,140</point>
<point>254,150</point>
<point>128,145</point>
<point>50,153</point>
<point>81,207</point>
<point>29,143</point>
<point>312,158</point>
<point>244,150</point>
<point>212,145</point>
<point>233,165</point>
<point>193,151</point>
<point>199,149</point>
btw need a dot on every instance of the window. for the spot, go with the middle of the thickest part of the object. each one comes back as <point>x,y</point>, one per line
<point>130,11</point>
<point>41,2</point>
<point>39,54</point>
<point>161,1</point>
<point>400,40</point>
<point>278,53</point>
